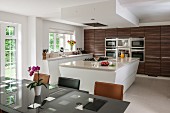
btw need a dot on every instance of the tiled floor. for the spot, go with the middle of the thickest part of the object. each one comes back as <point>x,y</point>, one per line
<point>149,95</point>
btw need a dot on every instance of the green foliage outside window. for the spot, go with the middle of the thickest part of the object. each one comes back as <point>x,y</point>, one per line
<point>57,42</point>
<point>10,53</point>
<point>51,41</point>
<point>10,31</point>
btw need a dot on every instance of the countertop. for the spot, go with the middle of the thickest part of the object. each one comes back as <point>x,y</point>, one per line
<point>67,56</point>
<point>93,65</point>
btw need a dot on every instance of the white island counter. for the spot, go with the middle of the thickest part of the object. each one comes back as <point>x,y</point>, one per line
<point>51,65</point>
<point>124,72</point>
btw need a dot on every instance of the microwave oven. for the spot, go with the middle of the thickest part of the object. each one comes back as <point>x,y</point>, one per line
<point>110,43</point>
<point>137,42</point>
<point>136,53</point>
<point>111,53</point>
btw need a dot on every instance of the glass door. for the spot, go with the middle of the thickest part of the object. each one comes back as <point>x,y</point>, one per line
<point>9,50</point>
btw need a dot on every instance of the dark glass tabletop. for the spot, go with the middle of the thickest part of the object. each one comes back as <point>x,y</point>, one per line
<point>15,97</point>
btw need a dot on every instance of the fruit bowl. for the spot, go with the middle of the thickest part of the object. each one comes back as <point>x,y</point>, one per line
<point>104,63</point>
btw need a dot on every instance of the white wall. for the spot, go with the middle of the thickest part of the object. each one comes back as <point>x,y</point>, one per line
<point>31,41</point>
<point>34,37</point>
<point>79,32</point>
<point>42,36</point>
<point>23,20</point>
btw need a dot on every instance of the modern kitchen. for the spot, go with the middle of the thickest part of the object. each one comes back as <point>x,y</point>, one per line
<point>92,56</point>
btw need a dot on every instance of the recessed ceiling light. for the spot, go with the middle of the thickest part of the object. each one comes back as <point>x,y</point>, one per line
<point>92,19</point>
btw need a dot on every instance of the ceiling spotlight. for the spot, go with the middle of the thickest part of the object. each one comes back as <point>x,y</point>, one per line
<point>92,19</point>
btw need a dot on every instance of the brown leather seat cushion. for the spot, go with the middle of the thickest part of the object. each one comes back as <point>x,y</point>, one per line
<point>109,90</point>
<point>45,78</point>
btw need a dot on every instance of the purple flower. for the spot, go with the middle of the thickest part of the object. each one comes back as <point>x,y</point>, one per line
<point>31,73</point>
<point>29,68</point>
<point>38,68</point>
<point>34,68</point>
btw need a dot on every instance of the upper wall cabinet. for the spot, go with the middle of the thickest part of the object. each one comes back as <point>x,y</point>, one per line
<point>138,32</point>
<point>152,42</point>
<point>111,32</point>
<point>124,32</point>
<point>152,31</point>
<point>152,51</point>
<point>99,44</point>
<point>89,40</point>
<point>165,31</point>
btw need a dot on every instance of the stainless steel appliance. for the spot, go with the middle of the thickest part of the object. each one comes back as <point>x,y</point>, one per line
<point>138,53</point>
<point>123,43</point>
<point>111,53</point>
<point>137,42</point>
<point>110,43</point>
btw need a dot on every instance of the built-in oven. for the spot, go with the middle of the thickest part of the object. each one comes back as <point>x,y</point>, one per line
<point>111,53</point>
<point>110,43</point>
<point>137,42</point>
<point>138,53</point>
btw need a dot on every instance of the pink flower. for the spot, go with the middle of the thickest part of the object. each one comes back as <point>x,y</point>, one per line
<point>31,73</point>
<point>34,68</point>
<point>38,68</point>
<point>29,68</point>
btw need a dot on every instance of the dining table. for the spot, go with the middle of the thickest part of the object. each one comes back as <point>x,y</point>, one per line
<point>15,97</point>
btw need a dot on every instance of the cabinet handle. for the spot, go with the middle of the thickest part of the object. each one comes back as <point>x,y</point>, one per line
<point>166,57</point>
<point>152,57</point>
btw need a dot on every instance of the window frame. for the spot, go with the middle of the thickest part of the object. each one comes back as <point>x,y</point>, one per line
<point>4,37</point>
<point>72,37</point>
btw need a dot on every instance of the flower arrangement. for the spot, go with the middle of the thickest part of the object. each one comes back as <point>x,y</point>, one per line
<point>32,70</point>
<point>71,42</point>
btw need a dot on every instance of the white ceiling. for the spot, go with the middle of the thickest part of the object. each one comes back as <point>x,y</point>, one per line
<point>145,10</point>
<point>149,10</point>
<point>41,8</point>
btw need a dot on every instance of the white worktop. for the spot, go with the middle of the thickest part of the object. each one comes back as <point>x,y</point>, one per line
<point>67,56</point>
<point>96,65</point>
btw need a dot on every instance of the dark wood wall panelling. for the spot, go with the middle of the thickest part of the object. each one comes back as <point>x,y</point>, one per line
<point>89,40</point>
<point>123,32</point>
<point>111,32</point>
<point>165,51</point>
<point>157,46</point>
<point>152,50</point>
<point>99,46</point>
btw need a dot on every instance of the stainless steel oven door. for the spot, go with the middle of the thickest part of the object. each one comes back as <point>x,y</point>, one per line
<point>110,53</point>
<point>138,54</point>
<point>138,43</point>
<point>111,43</point>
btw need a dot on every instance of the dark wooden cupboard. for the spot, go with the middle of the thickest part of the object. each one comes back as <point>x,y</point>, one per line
<point>152,51</point>
<point>137,32</point>
<point>89,40</point>
<point>123,32</point>
<point>165,51</point>
<point>141,68</point>
<point>157,46</point>
<point>111,32</point>
<point>99,42</point>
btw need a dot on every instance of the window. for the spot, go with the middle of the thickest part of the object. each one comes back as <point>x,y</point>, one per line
<point>58,40</point>
<point>10,30</point>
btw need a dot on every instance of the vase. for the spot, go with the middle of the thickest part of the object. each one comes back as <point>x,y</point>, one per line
<point>37,90</point>
<point>71,48</point>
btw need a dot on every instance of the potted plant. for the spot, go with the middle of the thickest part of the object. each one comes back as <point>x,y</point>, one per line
<point>71,42</point>
<point>36,84</point>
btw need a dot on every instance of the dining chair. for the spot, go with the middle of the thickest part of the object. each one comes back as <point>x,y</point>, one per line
<point>114,91</point>
<point>45,78</point>
<point>69,82</point>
